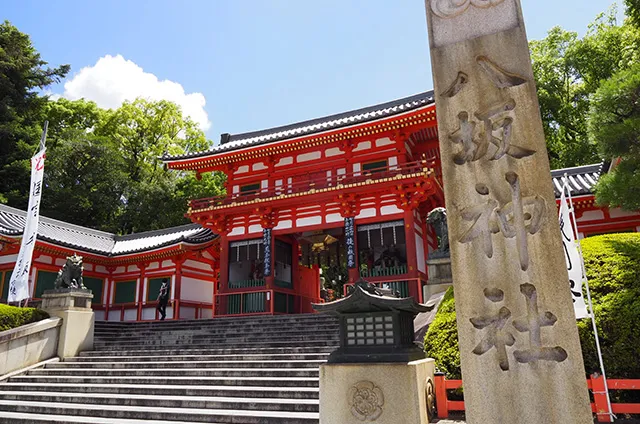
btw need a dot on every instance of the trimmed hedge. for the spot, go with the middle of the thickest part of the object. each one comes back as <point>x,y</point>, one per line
<point>612,262</point>
<point>12,316</point>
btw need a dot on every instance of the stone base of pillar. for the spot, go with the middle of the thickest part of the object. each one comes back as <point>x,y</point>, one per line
<point>74,307</point>
<point>387,393</point>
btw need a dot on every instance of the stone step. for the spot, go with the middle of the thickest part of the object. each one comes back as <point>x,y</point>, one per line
<point>228,338</point>
<point>197,402</point>
<point>265,321</point>
<point>252,381</point>
<point>186,372</point>
<point>171,344</point>
<point>26,418</point>
<point>209,351</point>
<point>169,390</point>
<point>225,328</point>
<point>153,413</point>
<point>203,357</point>
<point>188,364</point>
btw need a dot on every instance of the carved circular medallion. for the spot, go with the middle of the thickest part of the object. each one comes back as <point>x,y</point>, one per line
<point>366,401</point>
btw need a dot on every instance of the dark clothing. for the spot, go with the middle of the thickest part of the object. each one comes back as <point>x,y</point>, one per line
<point>163,300</point>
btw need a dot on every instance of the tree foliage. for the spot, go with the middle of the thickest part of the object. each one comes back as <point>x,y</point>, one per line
<point>612,263</point>
<point>568,70</point>
<point>614,124</point>
<point>22,74</point>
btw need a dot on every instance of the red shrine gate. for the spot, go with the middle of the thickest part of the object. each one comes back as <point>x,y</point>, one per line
<point>347,191</point>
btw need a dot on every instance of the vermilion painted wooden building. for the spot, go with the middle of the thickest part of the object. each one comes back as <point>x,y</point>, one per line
<point>347,193</point>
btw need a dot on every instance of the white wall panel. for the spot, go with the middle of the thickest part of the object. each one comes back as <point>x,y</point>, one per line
<point>196,290</point>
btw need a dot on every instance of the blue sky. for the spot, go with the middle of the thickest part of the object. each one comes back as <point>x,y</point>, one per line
<point>256,63</point>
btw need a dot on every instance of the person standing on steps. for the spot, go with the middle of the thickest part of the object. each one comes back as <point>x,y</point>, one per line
<point>163,299</point>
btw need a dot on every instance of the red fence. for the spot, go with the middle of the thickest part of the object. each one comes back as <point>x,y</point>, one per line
<point>595,384</point>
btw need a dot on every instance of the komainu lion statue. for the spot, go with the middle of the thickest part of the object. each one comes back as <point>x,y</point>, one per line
<point>437,218</point>
<point>70,276</point>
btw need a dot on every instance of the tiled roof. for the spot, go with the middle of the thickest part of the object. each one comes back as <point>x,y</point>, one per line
<point>581,178</point>
<point>93,241</point>
<point>230,142</point>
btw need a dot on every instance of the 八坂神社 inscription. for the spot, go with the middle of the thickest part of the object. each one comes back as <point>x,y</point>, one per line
<point>518,217</point>
<point>498,335</point>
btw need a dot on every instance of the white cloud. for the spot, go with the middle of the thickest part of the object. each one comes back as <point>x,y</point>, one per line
<point>113,79</point>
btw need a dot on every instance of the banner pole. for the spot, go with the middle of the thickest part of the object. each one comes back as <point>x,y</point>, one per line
<point>574,228</point>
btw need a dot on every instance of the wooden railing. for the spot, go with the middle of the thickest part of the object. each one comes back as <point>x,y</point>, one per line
<point>595,383</point>
<point>122,307</point>
<point>312,184</point>
<point>263,302</point>
<point>383,272</point>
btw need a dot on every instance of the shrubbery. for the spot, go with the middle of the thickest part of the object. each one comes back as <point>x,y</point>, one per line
<point>12,317</point>
<point>613,268</point>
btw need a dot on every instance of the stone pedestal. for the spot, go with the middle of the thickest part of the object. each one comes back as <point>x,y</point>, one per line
<point>384,393</point>
<point>74,307</point>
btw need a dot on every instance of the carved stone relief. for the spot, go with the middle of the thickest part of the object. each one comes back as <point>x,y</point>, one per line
<point>366,401</point>
<point>450,8</point>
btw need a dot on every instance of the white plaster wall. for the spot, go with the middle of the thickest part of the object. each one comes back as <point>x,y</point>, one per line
<point>356,169</point>
<point>237,231</point>
<point>8,259</point>
<point>236,189</point>
<point>591,216</point>
<point>187,312</point>
<point>206,313</point>
<point>167,264</point>
<point>130,314</point>
<point>386,141</point>
<point>60,261</point>
<point>101,268</point>
<point>259,166</point>
<point>364,145</point>
<point>196,290</point>
<point>119,270</point>
<point>334,151</point>
<point>619,213</point>
<point>114,316</point>
<point>422,266</point>
<point>389,210</point>
<point>133,268</point>
<point>242,169</point>
<point>285,224</point>
<point>367,213</point>
<point>256,228</point>
<point>393,161</point>
<point>46,260</point>
<point>333,217</point>
<point>314,220</point>
<point>148,313</point>
<point>305,157</point>
<point>285,161</point>
<point>153,265</point>
<point>196,264</point>
<point>88,267</point>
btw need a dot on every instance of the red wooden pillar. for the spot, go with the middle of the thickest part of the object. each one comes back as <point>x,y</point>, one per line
<point>143,267</point>
<point>412,254</point>
<point>177,294</point>
<point>109,288</point>
<point>441,395</point>
<point>224,273</point>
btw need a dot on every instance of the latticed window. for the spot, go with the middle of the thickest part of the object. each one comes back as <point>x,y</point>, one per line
<point>370,330</point>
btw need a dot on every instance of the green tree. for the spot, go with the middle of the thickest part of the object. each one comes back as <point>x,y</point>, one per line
<point>22,74</point>
<point>84,181</point>
<point>633,11</point>
<point>568,70</point>
<point>614,124</point>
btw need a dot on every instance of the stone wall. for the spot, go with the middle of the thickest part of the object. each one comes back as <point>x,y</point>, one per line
<point>29,344</point>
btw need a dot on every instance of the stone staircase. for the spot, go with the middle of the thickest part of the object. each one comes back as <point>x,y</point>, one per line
<point>226,370</point>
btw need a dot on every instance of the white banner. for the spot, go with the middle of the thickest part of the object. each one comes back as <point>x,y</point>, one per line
<point>572,256</point>
<point>19,284</point>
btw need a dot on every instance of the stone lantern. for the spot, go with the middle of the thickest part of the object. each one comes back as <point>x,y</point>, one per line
<point>375,325</point>
<point>378,373</point>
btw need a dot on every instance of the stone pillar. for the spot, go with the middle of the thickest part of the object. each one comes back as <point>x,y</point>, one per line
<point>74,307</point>
<point>519,346</point>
